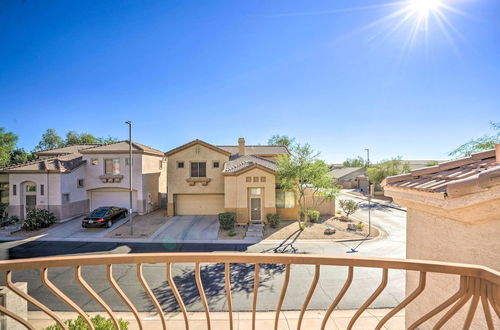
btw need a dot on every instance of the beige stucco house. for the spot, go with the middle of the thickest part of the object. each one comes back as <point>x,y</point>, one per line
<point>453,216</point>
<point>205,179</point>
<point>73,180</point>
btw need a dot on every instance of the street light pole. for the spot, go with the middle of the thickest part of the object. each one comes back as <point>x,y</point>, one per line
<point>130,174</point>
<point>369,194</point>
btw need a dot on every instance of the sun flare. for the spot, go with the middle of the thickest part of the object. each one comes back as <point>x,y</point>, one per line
<point>424,7</point>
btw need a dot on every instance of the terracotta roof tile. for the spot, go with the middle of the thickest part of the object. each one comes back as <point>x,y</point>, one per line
<point>480,169</point>
<point>258,150</point>
<point>65,150</point>
<point>240,163</point>
<point>61,164</point>
<point>121,147</point>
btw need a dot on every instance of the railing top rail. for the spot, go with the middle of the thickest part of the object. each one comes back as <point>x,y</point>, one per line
<point>260,258</point>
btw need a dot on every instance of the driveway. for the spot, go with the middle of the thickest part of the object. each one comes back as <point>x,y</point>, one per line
<point>188,228</point>
<point>72,230</point>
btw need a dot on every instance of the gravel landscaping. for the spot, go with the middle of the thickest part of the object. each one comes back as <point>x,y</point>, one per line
<point>144,225</point>
<point>290,229</point>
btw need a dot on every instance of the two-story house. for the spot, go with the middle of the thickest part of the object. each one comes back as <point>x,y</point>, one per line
<point>73,180</point>
<point>205,179</point>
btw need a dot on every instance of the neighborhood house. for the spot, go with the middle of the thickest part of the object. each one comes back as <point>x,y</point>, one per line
<point>70,181</point>
<point>208,179</point>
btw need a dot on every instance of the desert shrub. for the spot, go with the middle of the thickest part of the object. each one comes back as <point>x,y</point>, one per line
<point>99,322</point>
<point>273,219</point>
<point>231,233</point>
<point>38,218</point>
<point>8,220</point>
<point>227,220</point>
<point>348,206</point>
<point>3,210</point>
<point>360,225</point>
<point>313,215</point>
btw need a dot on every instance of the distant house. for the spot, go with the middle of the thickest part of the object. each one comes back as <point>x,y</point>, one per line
<point>347,177</point>
<point>73,180</point>
<point>453,216</point>
<point>205,179</point>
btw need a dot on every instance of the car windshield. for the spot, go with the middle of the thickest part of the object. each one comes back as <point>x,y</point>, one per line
<point>99,212</point>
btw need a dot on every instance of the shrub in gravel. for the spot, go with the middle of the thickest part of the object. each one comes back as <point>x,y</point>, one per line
<point>313,215</point>
<point>227,220</point>
<point>273,219</point>
<point>38,218</point>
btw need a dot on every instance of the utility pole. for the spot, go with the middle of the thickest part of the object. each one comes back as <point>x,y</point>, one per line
<point>130,174</point>
<point>369,194</point>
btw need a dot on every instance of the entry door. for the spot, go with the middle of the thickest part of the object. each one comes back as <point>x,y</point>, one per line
<point>255,209</point>
<point>30,203</point>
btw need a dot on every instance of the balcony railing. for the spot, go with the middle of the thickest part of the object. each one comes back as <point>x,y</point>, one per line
<point>477,284</point>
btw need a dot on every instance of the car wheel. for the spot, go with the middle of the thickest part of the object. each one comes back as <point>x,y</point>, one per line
<point>109,224</point>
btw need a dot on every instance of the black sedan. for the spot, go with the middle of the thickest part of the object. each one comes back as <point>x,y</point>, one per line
<point>104,216</point>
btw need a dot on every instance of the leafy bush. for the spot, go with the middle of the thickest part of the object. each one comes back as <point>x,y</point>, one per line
<point>348,206</point>
<point>38,218</point>
<point>231,233</point>
<point>313,215</point>
<point>8,220</point>
<point>3,210</point>
<point>360,225</point>
<point>273,219</point>
<point>227,220</point>
<point>99,322</point>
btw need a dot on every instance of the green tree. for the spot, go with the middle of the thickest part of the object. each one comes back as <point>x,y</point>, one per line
<point>354,162</point>
<point>50,140</point>
<point>432,163</point>
<point>73,137</point>
<point>8,142</point>
<point>302,171</point>
<point>281,140</point>
<point>486,142</point>
<point>348,206</point>
<point>395,166</point>
<point>19,156</point>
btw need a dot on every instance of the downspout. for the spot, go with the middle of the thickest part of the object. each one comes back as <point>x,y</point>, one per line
<point>48,192</point>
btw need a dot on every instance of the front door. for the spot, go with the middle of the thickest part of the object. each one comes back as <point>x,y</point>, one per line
<point>255,209</point>
<point>30,203</point>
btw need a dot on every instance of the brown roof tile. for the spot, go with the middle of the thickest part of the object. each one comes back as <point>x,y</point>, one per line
<point>122,147</point>
<point>62,164</point>
<point>241,163</point>
<point>453,178</point>
<point>258,150</point>
<point>65,150</point>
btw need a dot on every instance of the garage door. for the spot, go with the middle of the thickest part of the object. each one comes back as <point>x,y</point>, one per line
<point>112,198</point>
<point>199,204</point>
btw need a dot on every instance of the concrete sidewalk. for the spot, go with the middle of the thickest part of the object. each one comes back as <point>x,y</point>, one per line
<point>243,320</point>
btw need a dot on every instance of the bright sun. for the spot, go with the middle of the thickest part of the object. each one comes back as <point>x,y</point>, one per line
<point>424,7</point>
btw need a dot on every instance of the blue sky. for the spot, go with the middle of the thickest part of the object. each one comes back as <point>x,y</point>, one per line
<point>324,72</point>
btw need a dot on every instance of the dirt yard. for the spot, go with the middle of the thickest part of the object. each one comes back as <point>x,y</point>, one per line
<point>290,229</point>
<point>144,225</point>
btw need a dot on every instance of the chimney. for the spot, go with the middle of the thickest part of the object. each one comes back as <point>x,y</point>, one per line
<point>241,147</point>
<point>497,153</point>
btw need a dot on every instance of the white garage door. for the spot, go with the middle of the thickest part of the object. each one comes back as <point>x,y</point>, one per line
<point>112,198</point>
<point>199,204</point>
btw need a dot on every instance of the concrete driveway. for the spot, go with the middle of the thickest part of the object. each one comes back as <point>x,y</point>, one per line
<point>73,230</point>
<point>188,228</point>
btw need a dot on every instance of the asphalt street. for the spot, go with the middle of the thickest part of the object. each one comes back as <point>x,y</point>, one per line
<point>391,244</point>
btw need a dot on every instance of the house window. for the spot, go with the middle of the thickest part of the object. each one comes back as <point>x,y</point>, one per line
<point>255,179</point>
<point>14,190</point>
<point>198,169</point>
<point>160,166</point>
<point>262,179</point>
<point>65,198</point>
<point>80,183</point>
<point>216,164</point>
<point>255,191</point>
<point>30,188</point>
<point>285,199</point>
<point>112,166</point>
<point>180,165</point>
<point>249,179</point>
<point>127,161</point>
<point>42,190</point>
<point>95,161</point>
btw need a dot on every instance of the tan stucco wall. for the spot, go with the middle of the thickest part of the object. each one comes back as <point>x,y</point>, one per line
<point>236,193</point>
<point>177,176</point>
<point>153,181</point>
<point>434,233</point>
<point>92,172</point>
